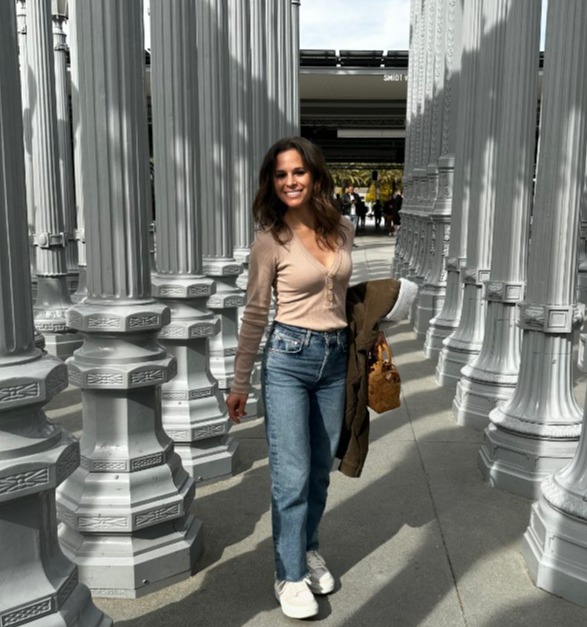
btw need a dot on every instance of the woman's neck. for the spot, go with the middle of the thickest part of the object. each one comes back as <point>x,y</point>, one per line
<point>300,219</point>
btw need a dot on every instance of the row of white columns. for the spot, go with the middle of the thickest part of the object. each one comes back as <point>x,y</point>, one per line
<point>155,346</point>
<point>501,315</point>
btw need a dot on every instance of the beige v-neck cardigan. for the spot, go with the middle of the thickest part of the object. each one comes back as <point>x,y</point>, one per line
<point>307,294</point>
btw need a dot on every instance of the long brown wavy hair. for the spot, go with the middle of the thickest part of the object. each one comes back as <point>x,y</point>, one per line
<point>269,211</point>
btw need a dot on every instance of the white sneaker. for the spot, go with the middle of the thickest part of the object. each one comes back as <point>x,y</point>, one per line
<point>320,579</point>
<point>296,599</point>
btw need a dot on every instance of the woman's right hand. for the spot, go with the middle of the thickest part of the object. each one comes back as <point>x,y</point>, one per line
<point>235,404</point>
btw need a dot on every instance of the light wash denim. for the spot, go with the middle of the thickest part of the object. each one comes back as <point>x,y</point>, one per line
<point>304,382</point>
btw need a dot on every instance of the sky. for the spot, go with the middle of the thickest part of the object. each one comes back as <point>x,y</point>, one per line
<point>366,25</point>
<point>351,25</point>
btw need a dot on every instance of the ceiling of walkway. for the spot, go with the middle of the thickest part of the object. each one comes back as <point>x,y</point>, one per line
<point>353,104</point>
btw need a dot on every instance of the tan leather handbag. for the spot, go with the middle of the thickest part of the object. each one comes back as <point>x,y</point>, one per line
<point>384,379</point>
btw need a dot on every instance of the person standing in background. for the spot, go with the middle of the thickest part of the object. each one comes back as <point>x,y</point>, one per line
<point>396,206</point>
<point>350,200</point>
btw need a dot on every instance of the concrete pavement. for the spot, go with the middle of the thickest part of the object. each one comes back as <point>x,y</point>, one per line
<point>419,539</point>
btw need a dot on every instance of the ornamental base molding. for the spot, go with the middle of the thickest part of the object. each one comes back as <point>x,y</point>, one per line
<point>474,400</point>
<point>451,361</point>
<point>64,603</point>
<point>514,463</point>
<point>211,460</point>
<point>111,498</point>
<point>124,566</point>
<point>429,305</point>
<point>554,548</point>
<point>435,337</point>
<point>187,419</point>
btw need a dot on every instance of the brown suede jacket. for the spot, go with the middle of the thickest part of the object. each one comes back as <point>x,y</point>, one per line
<point>366,304</point>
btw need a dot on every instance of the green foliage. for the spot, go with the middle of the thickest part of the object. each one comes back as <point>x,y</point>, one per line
<point>360,175</point>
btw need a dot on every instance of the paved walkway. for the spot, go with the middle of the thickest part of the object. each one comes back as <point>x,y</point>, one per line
<point>417,540</point>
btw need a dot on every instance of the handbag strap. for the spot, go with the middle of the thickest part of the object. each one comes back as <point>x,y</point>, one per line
<point>383,351</point>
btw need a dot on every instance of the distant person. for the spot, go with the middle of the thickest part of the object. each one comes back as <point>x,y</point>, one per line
<point>361,213</point>
<point>377,214</point>
<point>388,216</point>
<point>349,204</point>
<point>396,206</point>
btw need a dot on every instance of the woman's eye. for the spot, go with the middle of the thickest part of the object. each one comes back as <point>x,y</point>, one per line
<point>280,175</point>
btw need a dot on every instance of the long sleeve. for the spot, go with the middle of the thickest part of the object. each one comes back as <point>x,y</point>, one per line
<point>262,271</point>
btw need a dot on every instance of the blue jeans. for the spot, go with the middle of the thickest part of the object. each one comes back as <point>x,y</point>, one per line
<point>304,381</point>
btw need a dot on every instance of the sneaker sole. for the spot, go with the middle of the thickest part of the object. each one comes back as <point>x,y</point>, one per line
<point>296,612</point>
<point>316,588</point>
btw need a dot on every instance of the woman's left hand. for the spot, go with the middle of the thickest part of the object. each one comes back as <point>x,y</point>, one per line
<point>235,404</point>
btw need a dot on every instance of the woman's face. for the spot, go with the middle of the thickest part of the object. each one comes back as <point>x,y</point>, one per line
<point>292,180</point>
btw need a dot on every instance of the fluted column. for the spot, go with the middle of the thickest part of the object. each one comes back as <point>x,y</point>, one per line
<point>26,118</point>
<point>259,89</point>
<point>537,430</point>
<point>412,180</point>
<point>555,543</point>
<point>193,408</point>
<point>216,185</point>
<point>431,296</point>
<point>492,376</point>
<point>418,183</point>
<point>443,327</point>
<point>582,266</point>
<point>241,102</point>
<point>80,231</point>
<point>402,243</point>
<point>434,79</point>
<point>38,584</point>
<point>51,239</point>
<point>294,117</point>
<point>125,509</point>
<point>288,55</point>
<point>443,324</point>
<point>582,279</point>
<point>277,55</point>
<point>59,12</point>
<point>27,134</point>
<point>464,344</point>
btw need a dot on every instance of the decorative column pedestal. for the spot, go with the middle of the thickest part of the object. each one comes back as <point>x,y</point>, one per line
<point>125,510</point>
<point>537,430</point>
<point>38,585</point>
<point>555,544</point>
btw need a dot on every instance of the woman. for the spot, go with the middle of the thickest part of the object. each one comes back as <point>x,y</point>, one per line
<point>302,253</point>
